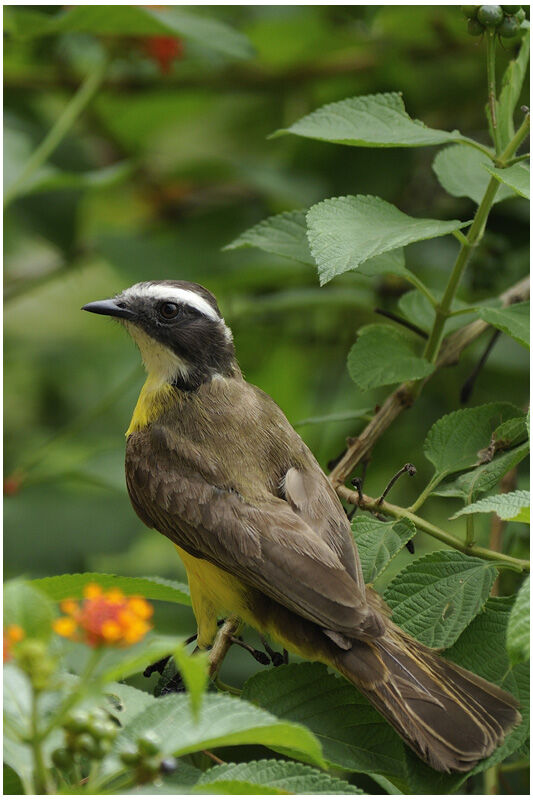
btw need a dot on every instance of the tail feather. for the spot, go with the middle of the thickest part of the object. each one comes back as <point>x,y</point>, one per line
<point>450,717</point>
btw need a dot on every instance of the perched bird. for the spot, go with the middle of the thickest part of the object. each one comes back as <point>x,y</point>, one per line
<point>213,464</point>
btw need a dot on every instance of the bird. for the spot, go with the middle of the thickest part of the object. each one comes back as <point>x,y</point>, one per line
<point>213,464</point>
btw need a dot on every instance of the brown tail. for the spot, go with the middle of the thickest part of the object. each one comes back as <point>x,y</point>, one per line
<point>450,717</point>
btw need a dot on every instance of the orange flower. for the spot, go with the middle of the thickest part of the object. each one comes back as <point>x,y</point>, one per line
<point>104,618</point>
<point>12,635</point>
<point>164,50</point>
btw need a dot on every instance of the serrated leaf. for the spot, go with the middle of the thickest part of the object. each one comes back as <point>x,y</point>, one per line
<point>376,120</point>
<point>512,81</point>
<point>437,596</point>
<point>513,320</point>
<point>222,722</point>
<point>378,542</point>
<point>287,777</point>
<point>455,441</point>
<point>27,606</point>
<point>194,671</point>
<point>518,640</point>
<point>516,177</point>
<point>483,478</point>
<point>383,355</point>
<point>61,587</point>
<point>352,733</point>
<point>509,506</point>
<point>283,235</point>
<point>136,21</point>
<point>462,172</point>
<point>118,664</point>
<point>510,433</point>
<point>344,232</point>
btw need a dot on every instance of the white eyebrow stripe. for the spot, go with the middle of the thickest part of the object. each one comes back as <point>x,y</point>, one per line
<point>171,293</point>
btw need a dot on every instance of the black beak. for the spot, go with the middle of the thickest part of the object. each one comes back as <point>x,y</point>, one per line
<point>110,309</point>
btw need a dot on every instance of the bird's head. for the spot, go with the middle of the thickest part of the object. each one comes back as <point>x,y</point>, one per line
<point>178,328</point>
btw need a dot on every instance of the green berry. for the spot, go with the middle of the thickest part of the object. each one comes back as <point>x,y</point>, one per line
<point>475,28</point>
<point>149,744</point>
<point>520,15</point>
<point>511,9</point>
<point>77,721</point>
<point>509,27</point>
<point>87,745</point>
<point>490,16</point>
<point>62,758</point>
<point>469,11</point>
<point>102,729</point>
<point>129,755</point>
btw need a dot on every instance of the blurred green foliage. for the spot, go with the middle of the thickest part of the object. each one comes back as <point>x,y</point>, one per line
<point>195,169</point>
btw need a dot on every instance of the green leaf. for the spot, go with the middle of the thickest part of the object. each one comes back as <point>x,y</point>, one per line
<point>510,433</point>
<point>352,733</point>
<point>416,308</point>
<point>136,21</point>
<point>512,320</point>
<point>376,120</point>
<point>462,172</point>
<point>383,355</point>
<point>194,671</point>
<point>483,478</point>
<point>511,506</point>
<point>118,664</point>
<point>27,606</point>
<point>516,177</point>
<point>126,702</point>
<point>518,644</point>
<point>222,722</point>
<point>283,235</point>
<point>512,82</point>
<point>61,587</point>
<point>286,777</point>
<point>455,441</point>
<point>378,542</point>
<point>436,596</point>
<point>344,232</point>
<point>337,416</point>
<point>50,179</point>
<point>391,263</point>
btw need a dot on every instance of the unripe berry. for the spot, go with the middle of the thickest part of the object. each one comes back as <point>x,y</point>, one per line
<point>77,721</point>
<point>509,27</point>
<point>86,744</point>
<point>475,28</point>
<point>469,11</point>
<point>102,729</point>
<point>511,9</point>
<point>490,16</point>
<point>62,758</point>
<point>149,744</point>
<point>520,15</point>
<point>129,755</point>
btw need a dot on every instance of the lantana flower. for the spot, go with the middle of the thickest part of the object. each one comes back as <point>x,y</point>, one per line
<point>12,635</point>
<point>104,618</point>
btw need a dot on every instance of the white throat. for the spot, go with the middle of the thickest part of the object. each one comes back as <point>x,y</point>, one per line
<point>161,363</point>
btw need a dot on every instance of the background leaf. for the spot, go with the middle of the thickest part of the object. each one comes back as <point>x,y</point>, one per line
<point>438,595</point>
<point>462,172</point>
<point>512,82</point>
<point>513,320</point>
<point>516,177</point>
<point>27,606</point>
<point>378,542</point>
<point>222,722</point>
<point>378,120</point>
<point>344,232</point>
<point>509,506</point>
<point>383,355</point>
<point>353,735</point>
<point>194,671</point>
<point>518,629</point>
<point>61,587</point>
<point>285,776</point>
<point>283,234</point>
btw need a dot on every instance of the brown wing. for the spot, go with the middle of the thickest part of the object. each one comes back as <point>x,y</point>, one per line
<point>265,544</point>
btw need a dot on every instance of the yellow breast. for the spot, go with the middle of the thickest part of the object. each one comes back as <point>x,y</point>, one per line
<point>154,399</point>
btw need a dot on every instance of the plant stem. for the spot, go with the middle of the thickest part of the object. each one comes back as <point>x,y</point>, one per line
<point>77,694</point>
<point>514,144</point>
<point>491,80</point>
<point>423,496</point>
<point>491,780</point>
<point>371,504</point>
<point>41,780</point>
<point>58,131</point>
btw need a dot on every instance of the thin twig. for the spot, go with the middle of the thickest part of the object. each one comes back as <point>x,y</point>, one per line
<point>409,468</point>
<point>402,321</point>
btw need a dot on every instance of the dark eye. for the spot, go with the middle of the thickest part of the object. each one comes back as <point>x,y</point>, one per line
<point>169,310</point>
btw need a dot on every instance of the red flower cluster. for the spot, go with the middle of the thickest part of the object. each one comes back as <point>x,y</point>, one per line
<point>104,618</point>
<point>164,50</point>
